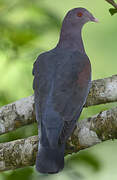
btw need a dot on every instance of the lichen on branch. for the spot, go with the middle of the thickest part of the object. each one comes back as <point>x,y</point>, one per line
<point>21,112</point>
<point>88,132</point>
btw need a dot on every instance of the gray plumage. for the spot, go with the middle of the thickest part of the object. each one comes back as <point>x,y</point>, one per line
<point>62,79</point>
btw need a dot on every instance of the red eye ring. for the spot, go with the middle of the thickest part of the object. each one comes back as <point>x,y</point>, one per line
<point>79,14</point>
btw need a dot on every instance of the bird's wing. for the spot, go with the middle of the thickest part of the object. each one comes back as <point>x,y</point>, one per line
<point>40,84</point>
<point>50,122</point>
<point>73,82</point>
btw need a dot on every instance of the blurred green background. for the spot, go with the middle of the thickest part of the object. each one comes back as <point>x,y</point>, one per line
<point>30,27</point>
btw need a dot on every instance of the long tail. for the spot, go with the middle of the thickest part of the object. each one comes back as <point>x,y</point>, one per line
<point>50,160</point>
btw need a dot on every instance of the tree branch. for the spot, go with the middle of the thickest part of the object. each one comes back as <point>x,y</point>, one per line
<point>102,91</point>
<point>112,3</point>
<point>88,132</point>
<point>17,114</point>
<point>21,112</point>
<point>112,10</point>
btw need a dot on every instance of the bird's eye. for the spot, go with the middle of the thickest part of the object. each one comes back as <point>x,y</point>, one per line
<point>79,14</point>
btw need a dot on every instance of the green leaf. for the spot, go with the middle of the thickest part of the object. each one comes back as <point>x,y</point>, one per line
<point>112,11</point>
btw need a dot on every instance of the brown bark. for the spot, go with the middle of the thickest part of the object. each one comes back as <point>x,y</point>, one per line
<point>112,2</point>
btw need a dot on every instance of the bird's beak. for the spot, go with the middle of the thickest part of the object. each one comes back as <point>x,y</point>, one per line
<point>92,18</point>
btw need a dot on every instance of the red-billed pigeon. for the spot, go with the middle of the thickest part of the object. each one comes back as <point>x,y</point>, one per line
<point>62,79</point>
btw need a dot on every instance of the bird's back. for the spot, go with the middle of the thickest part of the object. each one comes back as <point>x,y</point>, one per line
<point>62,81</point>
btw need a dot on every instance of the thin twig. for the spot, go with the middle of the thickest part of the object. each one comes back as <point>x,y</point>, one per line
<point>112,3</point>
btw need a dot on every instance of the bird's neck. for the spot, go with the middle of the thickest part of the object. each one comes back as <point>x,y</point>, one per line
<point>71,39</point>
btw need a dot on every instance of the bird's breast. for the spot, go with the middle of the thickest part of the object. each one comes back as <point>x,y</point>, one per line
<point>84,75</point>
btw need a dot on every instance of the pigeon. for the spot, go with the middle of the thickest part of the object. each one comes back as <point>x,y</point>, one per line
<point>62,80</point>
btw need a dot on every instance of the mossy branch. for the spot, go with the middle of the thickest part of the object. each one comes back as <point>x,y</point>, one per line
<point>21,112</point>
<point>88,132</point>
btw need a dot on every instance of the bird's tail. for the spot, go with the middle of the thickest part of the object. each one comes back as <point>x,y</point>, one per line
<point>50,160</point>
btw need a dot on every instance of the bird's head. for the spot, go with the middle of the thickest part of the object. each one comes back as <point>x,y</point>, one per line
<point>71,28</point>
<point>79,16</point>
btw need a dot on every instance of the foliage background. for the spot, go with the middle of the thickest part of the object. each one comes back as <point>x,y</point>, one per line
<point>30,27</point>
